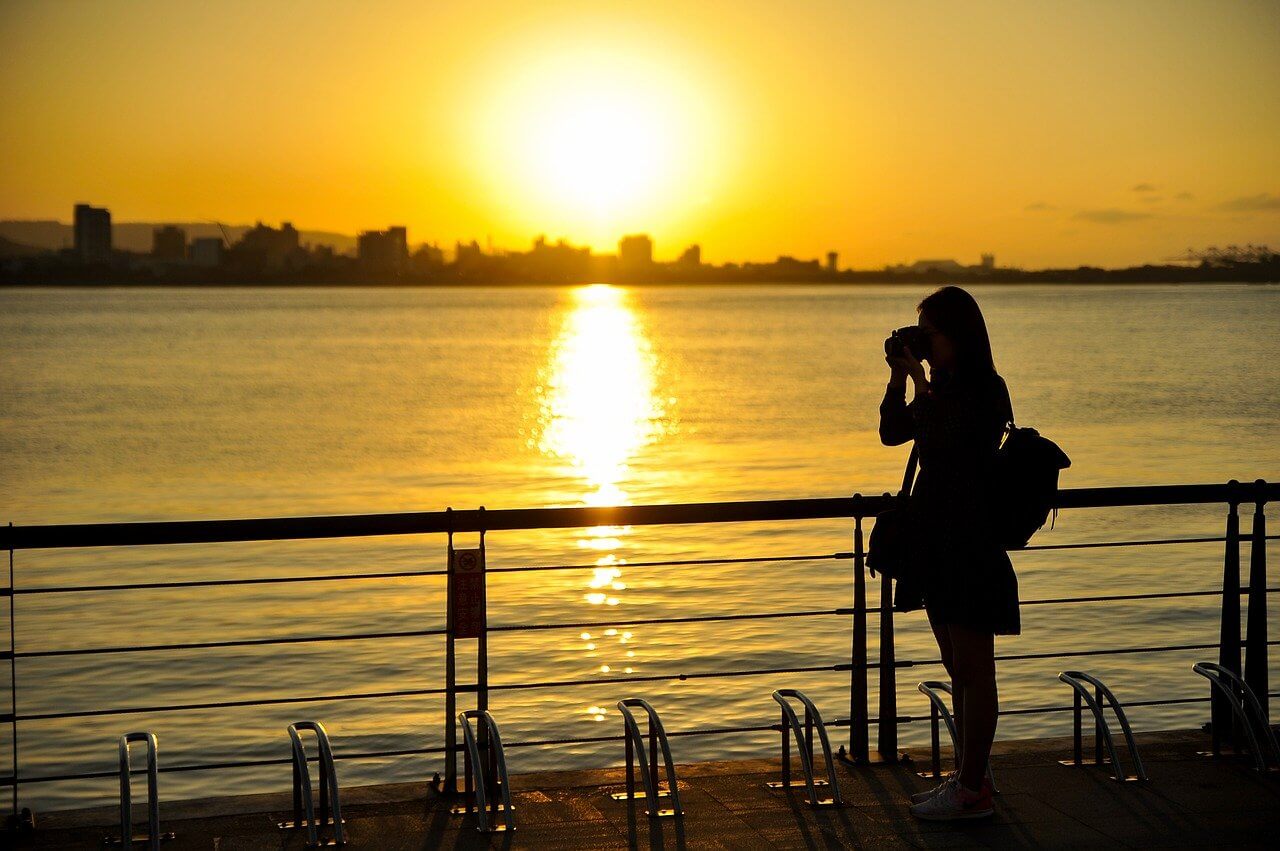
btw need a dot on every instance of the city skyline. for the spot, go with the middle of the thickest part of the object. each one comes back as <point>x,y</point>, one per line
<point>881,132</point>
<point>89,239</point>
<point>86,252</point>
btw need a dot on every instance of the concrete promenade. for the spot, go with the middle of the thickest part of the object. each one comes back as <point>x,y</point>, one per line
<point>1190,801</point>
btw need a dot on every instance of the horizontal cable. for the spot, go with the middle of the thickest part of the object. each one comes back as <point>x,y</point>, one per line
<point>1111,598</point>
<point>1115,651</point>
<point>209,583</point>
<point>230,704</point>
<point>406,574</point>
<point>660,677</point>
<point>689,619</point>
<point>410,574</point>
<point>838,722</point>
<point>752,559</point>
<point>243,642</point>
<point>222,766</point>
<point>252,642</point>
<point>1244,538</point>
<point>905,663</point>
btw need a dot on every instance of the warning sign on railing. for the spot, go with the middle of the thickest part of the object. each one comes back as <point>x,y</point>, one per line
<point>466,602</point>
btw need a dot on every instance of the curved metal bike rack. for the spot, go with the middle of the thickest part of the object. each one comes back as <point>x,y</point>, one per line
<point>490,773</point>
<point>1080,683</point>
<point>938,709</point>
<point>804,743</point>
<point>648,767</point>
<point>154,836</point>
<point>303,802</point>
<point>1247,709</point>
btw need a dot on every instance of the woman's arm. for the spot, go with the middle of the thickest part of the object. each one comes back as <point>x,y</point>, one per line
<point>897,421</point>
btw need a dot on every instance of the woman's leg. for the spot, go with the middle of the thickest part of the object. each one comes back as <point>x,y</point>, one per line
<point>974,663</point>
<point>942,635</point>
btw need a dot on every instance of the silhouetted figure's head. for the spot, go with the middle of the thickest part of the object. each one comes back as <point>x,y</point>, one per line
<point>958,341</point>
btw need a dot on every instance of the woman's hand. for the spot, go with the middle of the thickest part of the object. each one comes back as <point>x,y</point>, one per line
<point>906,364</point>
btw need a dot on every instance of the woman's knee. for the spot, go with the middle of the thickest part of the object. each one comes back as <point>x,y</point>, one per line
<point>972,669</point>
<point>973,660</point>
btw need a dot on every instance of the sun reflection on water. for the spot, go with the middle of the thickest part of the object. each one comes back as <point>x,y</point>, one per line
<point>599,408</point>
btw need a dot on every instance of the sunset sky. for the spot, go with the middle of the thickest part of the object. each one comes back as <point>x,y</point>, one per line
<point>1047,133</point>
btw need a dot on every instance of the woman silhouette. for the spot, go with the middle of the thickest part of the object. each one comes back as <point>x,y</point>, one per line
<point>966,581</point>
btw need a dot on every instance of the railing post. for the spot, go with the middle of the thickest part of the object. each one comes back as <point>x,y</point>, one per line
<point>858,732</point>
<point>482,649</point>
<point>1229,632</point>
<point>1255,663</point>
<point>887,733</point>
<point>450,785</point>
<point>466,617</point>
<point>13,685</point>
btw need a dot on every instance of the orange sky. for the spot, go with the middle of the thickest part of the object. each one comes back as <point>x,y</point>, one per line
<point>1084,131</point>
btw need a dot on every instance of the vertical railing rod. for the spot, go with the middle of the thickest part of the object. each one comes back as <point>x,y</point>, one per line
<point>1229,632</point>
<point>858,722</point>
<point>13,682</point>
<point>1077,728</point>
<point>1255,663</point>
<point>887,734</point>
<point>482,682</point>
<point>482,649</point>
<point>1098,734</point>
<point>450,676</point>
<point>786,750</point>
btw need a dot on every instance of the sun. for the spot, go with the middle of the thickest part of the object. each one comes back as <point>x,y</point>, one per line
<point>594,141</point>
<point>601,151</point>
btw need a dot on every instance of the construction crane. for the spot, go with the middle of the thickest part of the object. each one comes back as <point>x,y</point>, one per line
<point>1215,256</point>
<point>226,240</point>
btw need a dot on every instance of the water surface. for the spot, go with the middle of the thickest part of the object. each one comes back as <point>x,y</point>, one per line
<point>156,404</point>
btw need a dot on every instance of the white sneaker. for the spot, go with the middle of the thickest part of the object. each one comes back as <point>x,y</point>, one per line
<point>918,797</point>
<point>954,801</point>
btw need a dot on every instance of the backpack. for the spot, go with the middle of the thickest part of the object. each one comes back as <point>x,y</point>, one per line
<point>1024,484</point>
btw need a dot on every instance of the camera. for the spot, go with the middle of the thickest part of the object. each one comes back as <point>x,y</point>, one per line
<point>910,337</point>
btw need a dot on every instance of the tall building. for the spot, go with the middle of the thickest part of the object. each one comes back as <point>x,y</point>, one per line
<point>169,243</point>
<point>265,247</point>
<point>692,256</point>
<point>206,251</point>
<point>635,253</point>
<point>384,250</point>
<point>832,257</point>
<point>988,261</point>
<point>93,233</point>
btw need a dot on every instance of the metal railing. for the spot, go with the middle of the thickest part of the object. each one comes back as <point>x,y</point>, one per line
<point>859,665</point>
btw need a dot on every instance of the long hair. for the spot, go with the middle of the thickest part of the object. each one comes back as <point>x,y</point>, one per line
<point>955,313</point>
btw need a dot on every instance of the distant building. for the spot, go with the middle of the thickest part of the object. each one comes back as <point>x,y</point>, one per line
<point>427,258</point>
<point>384,250</point>
<point>264,247</point>
<point>93,233</point>
<point>947,266</point>
<point>988,262</point>
<point>169,244</point>
<point>692,256</point>
<point>832,257</point>
<point>635,253</point>
<point>206,251</point>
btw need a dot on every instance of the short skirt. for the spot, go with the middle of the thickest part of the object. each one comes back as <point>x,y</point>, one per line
<point>963,578</point>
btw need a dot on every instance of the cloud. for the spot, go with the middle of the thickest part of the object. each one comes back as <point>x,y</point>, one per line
<point>1143,187</point>
<point>1151,199</point>
<point>1110,216</point>
<point>1252,203</point>
<point>1038,207</point>
<point>1184,196</point>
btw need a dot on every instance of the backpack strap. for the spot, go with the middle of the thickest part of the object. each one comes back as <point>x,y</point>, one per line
<point>909,475</point>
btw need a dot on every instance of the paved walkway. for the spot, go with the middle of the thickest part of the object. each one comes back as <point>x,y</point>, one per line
<point>1189,801</point>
